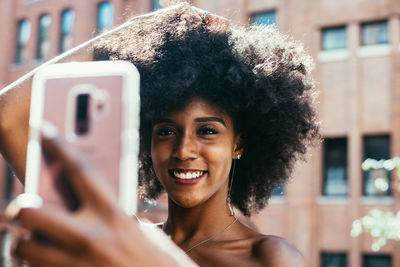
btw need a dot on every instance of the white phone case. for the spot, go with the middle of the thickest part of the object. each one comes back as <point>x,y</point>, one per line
<point>110,90</point>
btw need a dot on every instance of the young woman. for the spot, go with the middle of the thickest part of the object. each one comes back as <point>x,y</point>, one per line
<point>225,112</point>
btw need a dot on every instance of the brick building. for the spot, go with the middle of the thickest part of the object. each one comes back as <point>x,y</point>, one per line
<point>356,46</point>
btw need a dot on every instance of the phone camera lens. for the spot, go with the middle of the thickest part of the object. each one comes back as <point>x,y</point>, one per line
<point>82,114</point>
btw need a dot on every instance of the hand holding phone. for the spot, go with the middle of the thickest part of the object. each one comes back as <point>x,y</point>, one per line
<point>99,234</point>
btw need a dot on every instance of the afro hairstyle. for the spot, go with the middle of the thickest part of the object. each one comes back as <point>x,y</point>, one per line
<point>258,76</point>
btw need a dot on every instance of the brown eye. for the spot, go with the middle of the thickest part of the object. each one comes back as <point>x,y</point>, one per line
<point>162,132</point>
<point>207,131</point>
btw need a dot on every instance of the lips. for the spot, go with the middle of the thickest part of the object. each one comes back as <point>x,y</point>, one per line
<point>185,176</point>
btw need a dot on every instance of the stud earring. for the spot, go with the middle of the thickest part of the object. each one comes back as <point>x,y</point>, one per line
<point>239,156</point>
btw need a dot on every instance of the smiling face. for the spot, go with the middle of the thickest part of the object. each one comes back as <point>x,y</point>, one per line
<point>192,151</point>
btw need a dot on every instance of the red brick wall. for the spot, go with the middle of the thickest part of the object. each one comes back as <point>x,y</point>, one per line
<point>358,96</point>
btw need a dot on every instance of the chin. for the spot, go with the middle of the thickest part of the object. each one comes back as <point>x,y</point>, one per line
<point>185,201</point>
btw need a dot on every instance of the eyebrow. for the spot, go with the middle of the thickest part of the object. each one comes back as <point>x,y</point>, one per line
<point>202,119</point>
<point>207,119</point>
<point>162,120</point>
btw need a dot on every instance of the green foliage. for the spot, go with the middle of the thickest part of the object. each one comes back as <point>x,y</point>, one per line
<point>381,225</point>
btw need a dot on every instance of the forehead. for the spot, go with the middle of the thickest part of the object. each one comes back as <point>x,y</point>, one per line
<point>199,108</point>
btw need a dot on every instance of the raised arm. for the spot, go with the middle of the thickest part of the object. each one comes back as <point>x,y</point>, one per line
<point>14,118</point>
<point>15,102</point>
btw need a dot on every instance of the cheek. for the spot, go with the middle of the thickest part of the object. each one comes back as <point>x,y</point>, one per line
<point>158,149</point>
<point>220,158</point>
<point>159,155</point>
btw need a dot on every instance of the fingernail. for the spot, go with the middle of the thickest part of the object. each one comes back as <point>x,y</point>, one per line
<point>12,210</point>
<point>24,200</point>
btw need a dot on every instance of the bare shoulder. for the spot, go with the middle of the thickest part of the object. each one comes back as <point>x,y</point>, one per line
<point>276,251</point>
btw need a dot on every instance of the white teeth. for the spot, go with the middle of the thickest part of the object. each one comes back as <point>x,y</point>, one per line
<point>188,175</point>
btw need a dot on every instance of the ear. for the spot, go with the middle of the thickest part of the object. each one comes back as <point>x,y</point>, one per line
<point>238,147</point>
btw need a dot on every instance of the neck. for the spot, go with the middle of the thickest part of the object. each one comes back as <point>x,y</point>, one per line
<point>199,222</point>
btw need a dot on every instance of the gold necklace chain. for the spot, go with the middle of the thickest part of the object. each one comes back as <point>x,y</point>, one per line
<point>212,237</point>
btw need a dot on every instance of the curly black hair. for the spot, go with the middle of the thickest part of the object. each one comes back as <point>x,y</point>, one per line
<point>258,76</point>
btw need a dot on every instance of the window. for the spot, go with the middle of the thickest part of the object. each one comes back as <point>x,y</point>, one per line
<point>334,38</point>
<point>23,36</point>
<point>43,45</point>
<point>374,33</point>
<point>279,190</point>
<point>335,167</point>
<point>67,26</point>
<point>105,15</point>
<point>156,4</point>
<point>8,185</point>
<point>377,261</point>
<point>266,18</point>
<point>377,181</point>
<point>333,260</point>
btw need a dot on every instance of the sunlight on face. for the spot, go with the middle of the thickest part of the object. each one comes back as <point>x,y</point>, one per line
<point>192,151</point>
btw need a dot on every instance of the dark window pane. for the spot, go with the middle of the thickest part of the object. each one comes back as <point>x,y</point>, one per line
<point>377,147</point>
<point>156,4</point>
<point>266,18</point>
<point>105,16</point>
<point>374,33</point>
<point>377,261</point>
<point>335,167</point>
<point>333,260</point>
<point>8,185</point>
<point>67,26</point>
<point>23,36</point>
<point>43,45</point>
<point>279,190</point>
<point>334,38</point>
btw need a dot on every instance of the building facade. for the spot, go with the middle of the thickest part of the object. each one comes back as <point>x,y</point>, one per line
<point>356,47</point>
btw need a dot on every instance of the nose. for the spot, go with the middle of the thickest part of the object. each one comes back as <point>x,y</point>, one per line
<point>185,148</point>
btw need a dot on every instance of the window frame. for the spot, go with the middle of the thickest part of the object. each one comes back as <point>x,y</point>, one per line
<point>9,180</point>
<point>279,190</point>
<point>270,11</point>
<point>389,256</point>
<point>325,253</point>
<point>324,30</point>
<point>365,173</point>
<point>61,47</point>
<point>156,5</point>
<point>20,47</point>
<point>365,24</point>
<point>324,166</point>
<point>98,29</point>
<point>40,40</point>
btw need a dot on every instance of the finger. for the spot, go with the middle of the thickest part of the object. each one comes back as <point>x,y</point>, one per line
<point>56,224</point>
<point>42,255</point>
<point>86,182</point>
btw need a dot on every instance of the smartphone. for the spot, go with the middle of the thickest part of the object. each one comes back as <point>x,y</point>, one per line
<point>94,107</point>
